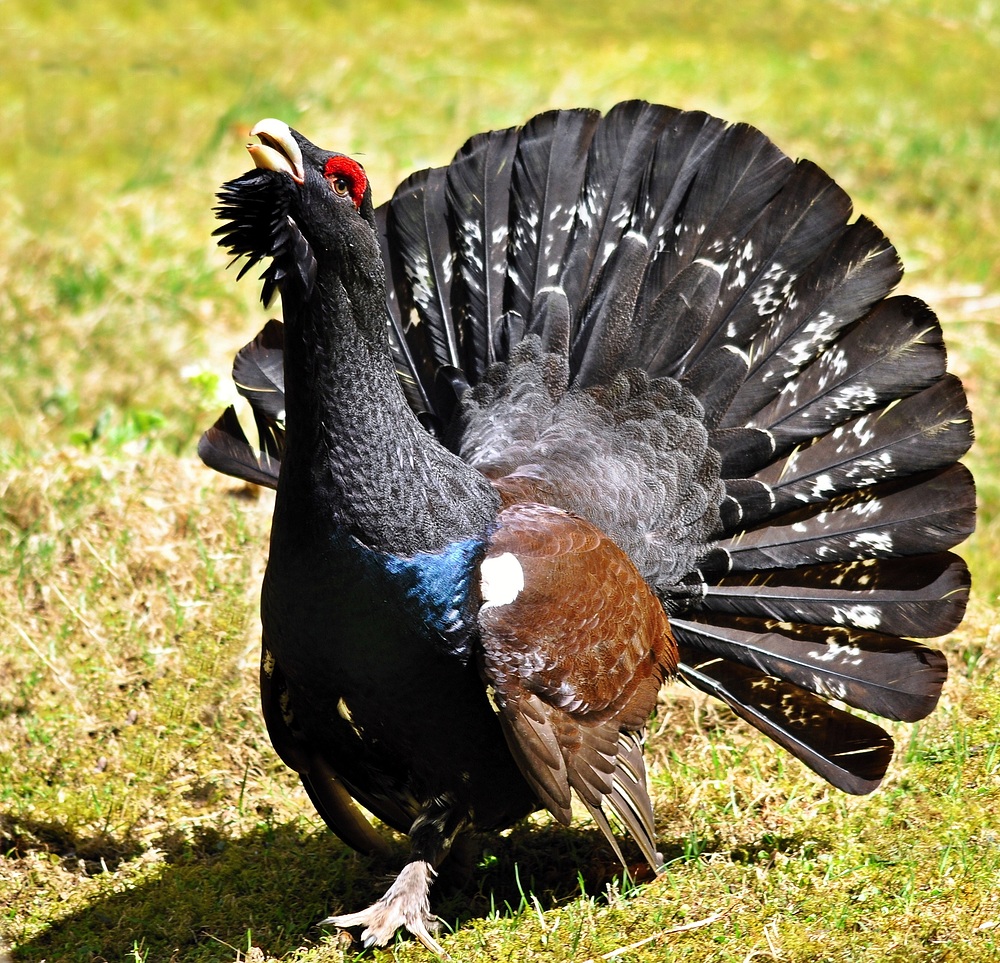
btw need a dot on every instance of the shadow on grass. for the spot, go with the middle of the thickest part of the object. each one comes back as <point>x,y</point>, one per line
<point>96,853</point>
<point>217,895</point>
<point>276,883</point>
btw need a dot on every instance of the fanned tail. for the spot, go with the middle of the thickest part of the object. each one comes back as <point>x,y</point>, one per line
<point>698,251</point>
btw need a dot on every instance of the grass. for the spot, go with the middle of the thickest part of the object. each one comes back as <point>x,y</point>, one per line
<point>143,815</point>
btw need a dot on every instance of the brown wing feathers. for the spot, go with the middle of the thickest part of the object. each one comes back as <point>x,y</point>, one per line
<point>575,658</point>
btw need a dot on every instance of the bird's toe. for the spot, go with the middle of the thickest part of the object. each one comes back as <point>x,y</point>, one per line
<point>405,905</point>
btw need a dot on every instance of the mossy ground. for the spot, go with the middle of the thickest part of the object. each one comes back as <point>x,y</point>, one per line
<point>143,815</point>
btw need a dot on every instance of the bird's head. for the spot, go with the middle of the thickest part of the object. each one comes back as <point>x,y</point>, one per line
<point>300,205</point>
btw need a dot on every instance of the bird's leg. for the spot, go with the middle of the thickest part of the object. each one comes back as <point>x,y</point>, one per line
<point>406,902</point>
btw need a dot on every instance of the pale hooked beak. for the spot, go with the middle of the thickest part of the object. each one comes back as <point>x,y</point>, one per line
<point>277,150</point>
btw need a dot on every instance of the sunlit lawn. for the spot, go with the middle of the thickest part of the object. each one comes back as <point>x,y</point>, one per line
<point>143,815</point>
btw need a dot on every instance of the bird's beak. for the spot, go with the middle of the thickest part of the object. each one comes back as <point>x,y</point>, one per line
<point>277,150</point>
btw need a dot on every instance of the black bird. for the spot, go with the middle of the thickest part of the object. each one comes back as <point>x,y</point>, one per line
<point>606,399</point>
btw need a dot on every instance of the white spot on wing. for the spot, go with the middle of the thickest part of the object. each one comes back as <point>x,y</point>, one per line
<point>502,579</point>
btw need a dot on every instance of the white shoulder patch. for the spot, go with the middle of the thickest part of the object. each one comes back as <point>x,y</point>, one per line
<point>502,579</point>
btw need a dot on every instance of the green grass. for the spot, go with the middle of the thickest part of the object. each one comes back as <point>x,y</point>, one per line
<point>143,815</point>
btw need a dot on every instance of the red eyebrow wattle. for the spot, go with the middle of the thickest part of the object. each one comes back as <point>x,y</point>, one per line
<point>352,172</point>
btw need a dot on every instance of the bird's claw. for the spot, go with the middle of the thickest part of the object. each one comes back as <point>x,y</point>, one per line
<point>405,905</point>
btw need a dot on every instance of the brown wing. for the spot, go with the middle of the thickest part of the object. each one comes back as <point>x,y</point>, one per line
<point>575,648</point>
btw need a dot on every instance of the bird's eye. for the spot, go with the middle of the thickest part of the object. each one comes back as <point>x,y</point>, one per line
<point>346,178</point>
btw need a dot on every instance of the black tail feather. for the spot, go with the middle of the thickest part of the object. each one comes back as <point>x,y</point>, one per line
<point>603,337</point>
<point>891,677</point>
<point>675,318</point>
<point>925,513</point>
<point>923,596</point>
<point>790,235</point>
<point>616,168</point>
<point>894,351</point>
<point>714,381</point>
<point>414,368</point>
<point>259,371</point>
<point>849,752</point>
<point>547,177</point>
<point>807,312</point>
<point>743,450</point>
<point>923,432</point>
<point>225,448</point>
<point>478,198</point>
<point>726,198</point>
<point>418,229</point>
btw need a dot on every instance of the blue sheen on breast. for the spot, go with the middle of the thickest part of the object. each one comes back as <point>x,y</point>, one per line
<point>437,585</point>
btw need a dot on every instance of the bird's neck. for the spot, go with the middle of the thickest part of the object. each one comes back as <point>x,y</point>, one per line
<point>353,444</point>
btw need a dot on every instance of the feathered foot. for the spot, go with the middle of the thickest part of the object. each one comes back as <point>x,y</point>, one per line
<point>405,904</point>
